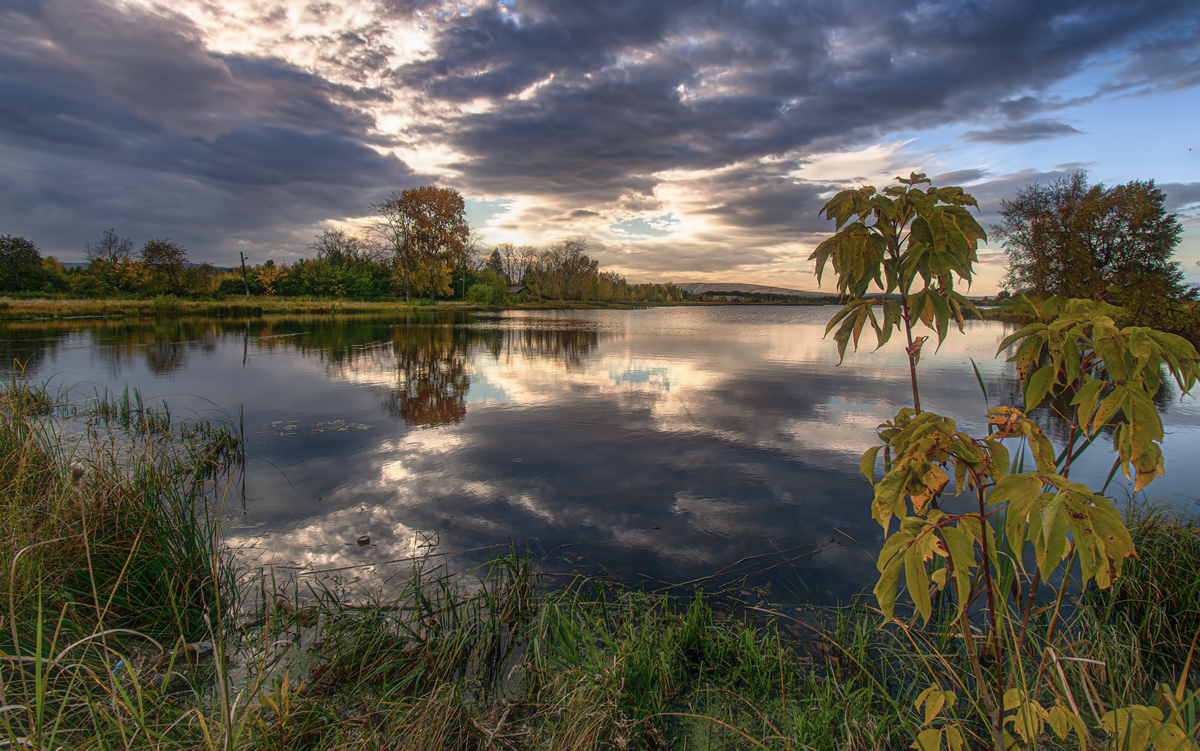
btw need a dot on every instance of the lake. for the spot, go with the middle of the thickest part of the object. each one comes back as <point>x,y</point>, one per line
<point>661,445</point>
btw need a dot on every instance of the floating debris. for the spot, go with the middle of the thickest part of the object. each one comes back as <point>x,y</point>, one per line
<point>308,616</point>
<point>293,427</point>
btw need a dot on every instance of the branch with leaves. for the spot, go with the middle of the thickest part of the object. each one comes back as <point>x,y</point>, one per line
<point>912,244</point>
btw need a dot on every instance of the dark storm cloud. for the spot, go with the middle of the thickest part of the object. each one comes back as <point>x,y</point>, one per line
<point>756,201</point>
<point>641,87</point>
<point>1026,132</point>
<point>119,118</point>
<point>117,115</point>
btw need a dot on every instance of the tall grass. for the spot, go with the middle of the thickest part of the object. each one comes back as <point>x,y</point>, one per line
<point>172,307</point>
<point>1157,601</point>
<point>110,546</point>
<point>122,629</point>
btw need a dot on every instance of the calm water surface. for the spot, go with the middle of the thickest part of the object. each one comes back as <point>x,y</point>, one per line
<point>654,445</point>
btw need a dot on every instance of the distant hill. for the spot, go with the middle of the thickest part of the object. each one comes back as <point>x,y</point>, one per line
<point>701,287</point>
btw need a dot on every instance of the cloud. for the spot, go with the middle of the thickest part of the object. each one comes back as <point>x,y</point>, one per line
<point>1180,195</point>
<point>117,117</point>
<point>238,124</point>
<point>1025,132</point>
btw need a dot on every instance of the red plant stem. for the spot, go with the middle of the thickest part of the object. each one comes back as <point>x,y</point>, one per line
<point>997,719</point>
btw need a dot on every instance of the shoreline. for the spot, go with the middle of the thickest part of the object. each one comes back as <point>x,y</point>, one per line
<point>47,309</point>
<point>495,658</point>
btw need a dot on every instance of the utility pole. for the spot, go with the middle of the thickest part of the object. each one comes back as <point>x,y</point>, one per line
<point>245,277</point>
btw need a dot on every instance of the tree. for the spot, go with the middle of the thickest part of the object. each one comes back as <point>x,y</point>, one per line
<point>20,262</point>
<point>111,249</point>
<point>495,264</point>
<point>426,230</point>
<point>338,247</point>
<point>1071,239</point>
<point>268,274</point>
<point>166,259</point>
<point>563,271</point>
<point>111,261</point>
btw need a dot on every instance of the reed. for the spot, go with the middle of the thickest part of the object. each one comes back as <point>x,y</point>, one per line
<point>124,628</point>
<point>1158,600</point>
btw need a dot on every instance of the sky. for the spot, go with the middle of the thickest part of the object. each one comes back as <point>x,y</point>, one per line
<point>686,140</point>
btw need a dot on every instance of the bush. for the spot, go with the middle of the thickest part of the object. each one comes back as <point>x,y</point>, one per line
<point>491,290</point>
<point>166,305</point>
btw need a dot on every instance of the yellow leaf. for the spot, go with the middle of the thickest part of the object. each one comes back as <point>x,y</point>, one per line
<point>954,738</point>
<point>928,740</point>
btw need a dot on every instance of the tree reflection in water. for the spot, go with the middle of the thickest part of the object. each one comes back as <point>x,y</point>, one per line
<point>432,364</point>
<point>432,380</point>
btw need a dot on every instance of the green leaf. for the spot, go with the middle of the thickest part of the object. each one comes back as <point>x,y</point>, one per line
<point>1111,347</point>
<point>1132,726</point>
<point>1053,547</point>
<point>1039,386</point>
<point>842,337</point>
<point>1039,446</point>
<point>889,496</point>
<point>1098,531</point>
<point>847,310</point>
<point>961,548</point>
<point>1019,335</point>
<point>983,534</point>
<point>916,580</point>
<point>864,312</point>
<point>887,588</point>
<point>866,465</point>
<point>941,316</point>
<point>1019,491</point>
<point>954,738</point>
<point>1108,408</point>
<point>1085,400</point>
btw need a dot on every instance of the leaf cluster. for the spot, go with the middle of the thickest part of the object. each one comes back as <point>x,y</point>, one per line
<point>888,241</point>
<point>912,243</point>
<point>1114,374</point>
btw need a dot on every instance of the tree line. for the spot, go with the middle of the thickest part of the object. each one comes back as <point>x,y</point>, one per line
<point>1066,238</point>
<point>417,244</point>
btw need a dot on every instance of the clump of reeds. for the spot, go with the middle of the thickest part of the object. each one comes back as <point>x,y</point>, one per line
<point>1157,601</point>
<point>118,631</point>
<point>109,546</point>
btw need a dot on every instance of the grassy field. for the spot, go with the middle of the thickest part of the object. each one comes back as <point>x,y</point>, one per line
<point>161,307</point>
<point>127,625</point>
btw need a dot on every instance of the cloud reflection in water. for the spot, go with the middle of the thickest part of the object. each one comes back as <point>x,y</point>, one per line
<point>664,444</point>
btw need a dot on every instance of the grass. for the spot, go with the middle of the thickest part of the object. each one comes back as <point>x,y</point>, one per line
<point>166,306</point>
<point>172,307</point>
<point>1158,598</point>
<point>125,626</point>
